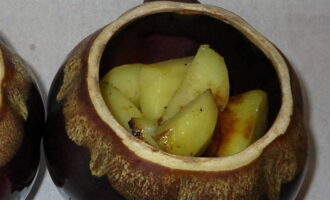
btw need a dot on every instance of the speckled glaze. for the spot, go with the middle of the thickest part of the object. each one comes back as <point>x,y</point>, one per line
<point>22,120</point>
<point>90,156</point>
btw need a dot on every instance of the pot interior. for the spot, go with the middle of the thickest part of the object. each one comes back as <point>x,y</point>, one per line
<point>168,35</point>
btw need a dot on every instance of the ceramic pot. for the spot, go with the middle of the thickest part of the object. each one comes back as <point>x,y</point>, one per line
<point>90,156</point>
<point>22,119</point>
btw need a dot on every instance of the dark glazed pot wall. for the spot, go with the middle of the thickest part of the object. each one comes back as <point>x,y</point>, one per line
<point>86,155</point>
<point>22,119</point>
<point>68,163</point>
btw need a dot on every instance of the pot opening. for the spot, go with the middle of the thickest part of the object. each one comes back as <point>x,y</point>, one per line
<point>164,36</point>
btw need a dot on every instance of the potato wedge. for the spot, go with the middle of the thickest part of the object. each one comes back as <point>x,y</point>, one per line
<point>242,122</point>
<point>158,83</point>
<point>143,129</point>
<point>207,71</point>
<point>120,106</point>
<point>126,79</point>
<point>189,132</point>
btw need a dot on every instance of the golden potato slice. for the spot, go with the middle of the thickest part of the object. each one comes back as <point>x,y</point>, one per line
<point>242,122</point>
<point>120,106</point>
<point>126,79</point>
<point>189,132</point>
<point>158,83</point>
<point>143,129</point>
<point>207,71</point>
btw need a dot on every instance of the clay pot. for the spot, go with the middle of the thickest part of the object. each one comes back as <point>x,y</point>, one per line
<point>22,119</point>
<point>90,156</point>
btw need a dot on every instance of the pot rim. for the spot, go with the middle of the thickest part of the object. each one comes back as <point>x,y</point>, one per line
<point>147,152</point>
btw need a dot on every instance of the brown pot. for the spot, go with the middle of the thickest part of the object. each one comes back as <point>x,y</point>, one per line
<point>22,119</point>
<point>90,156</point>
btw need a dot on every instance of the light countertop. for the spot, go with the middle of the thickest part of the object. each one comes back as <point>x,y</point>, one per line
<point>43,32</point>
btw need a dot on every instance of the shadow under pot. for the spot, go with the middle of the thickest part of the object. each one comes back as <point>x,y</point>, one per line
<point>91,156</point>
<point>22,119</point>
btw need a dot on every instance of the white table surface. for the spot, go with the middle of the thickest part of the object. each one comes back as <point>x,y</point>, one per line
<point>43,32</point>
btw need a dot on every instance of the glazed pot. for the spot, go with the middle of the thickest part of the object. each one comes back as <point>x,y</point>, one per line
<point>22,119</point>
<point>90,156</point>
